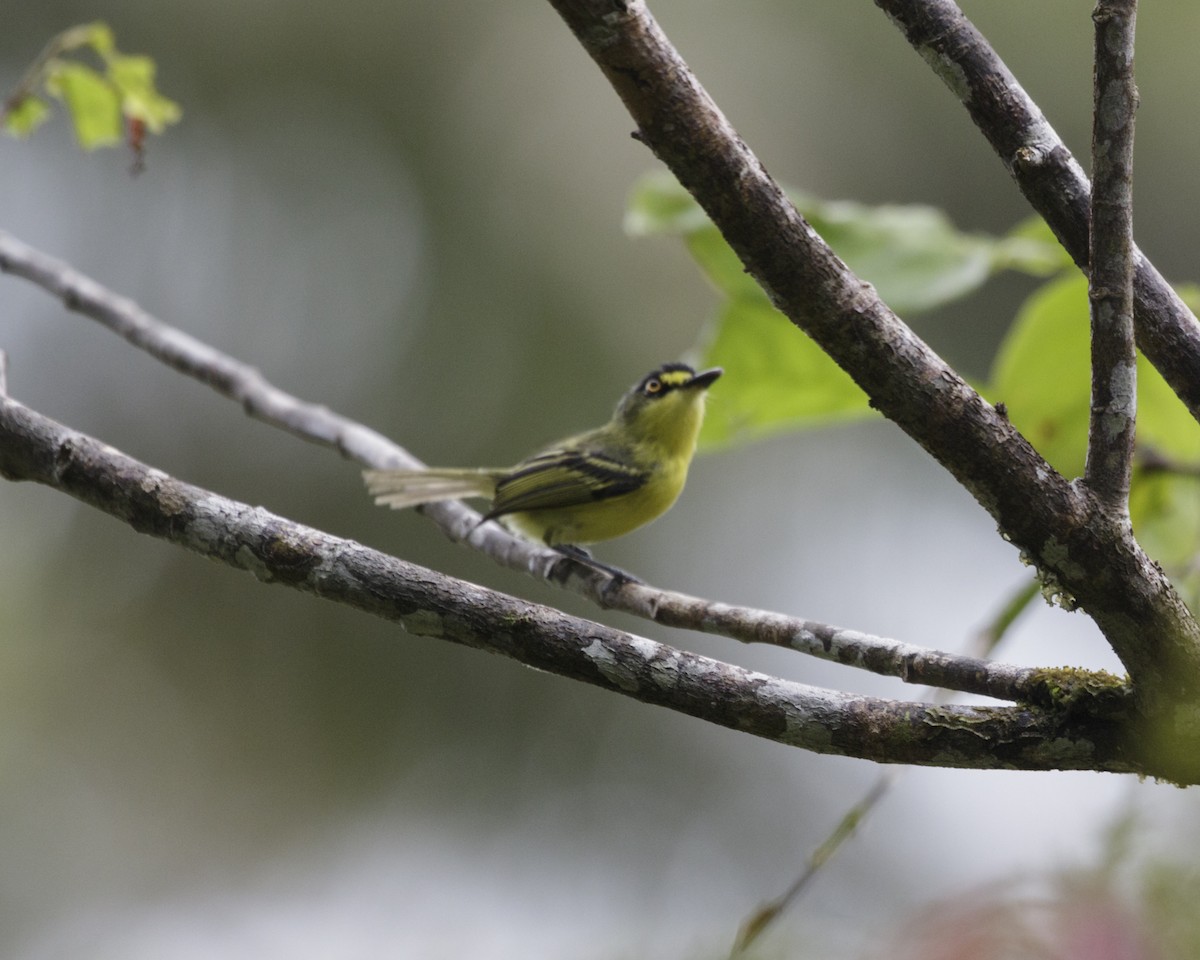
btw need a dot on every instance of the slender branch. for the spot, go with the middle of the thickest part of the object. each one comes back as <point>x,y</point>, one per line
<point>1100,569</point>
<point>61,43</point>
<point>1110,283</point>
<point>1151,461</point>
<point>262,400</point>
<point>266,402</point>
<point>1046,173</point>
<point>881,655</point>
<point>424,602</point>
<point>988,637</point>
<point>186,354</point>
<point>755,925</point>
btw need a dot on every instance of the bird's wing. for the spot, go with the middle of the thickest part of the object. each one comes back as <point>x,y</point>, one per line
<point>564,478</point>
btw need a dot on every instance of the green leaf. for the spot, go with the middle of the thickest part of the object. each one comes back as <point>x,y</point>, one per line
<point>658,205</point>
<point>1189,293</point>
<point>25,116</point>
<point>97,35</point>
<point>1042,373</point>
<point>1043,376</point>
<point>92,102</point>
<point>722,267</point>
<point>776,378</point>
<point>1165,509</point>
<point>914,256</point>
<point>1166,506</point>
<point>1034,249</point>
<point>133,77</point>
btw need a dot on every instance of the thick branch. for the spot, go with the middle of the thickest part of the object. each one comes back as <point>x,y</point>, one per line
<point>268,403</point>
<point>1047,174</point>
<point>1110,283</point>
<point>276,550</point>
<point>1053,521</point>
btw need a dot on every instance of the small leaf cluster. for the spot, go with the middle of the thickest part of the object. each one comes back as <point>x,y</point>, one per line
<point>114,102</point>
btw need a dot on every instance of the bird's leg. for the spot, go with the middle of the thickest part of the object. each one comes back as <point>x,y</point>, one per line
<point>620,577</point>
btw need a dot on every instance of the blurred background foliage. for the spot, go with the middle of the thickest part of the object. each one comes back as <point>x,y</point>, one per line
<point>414,213</point>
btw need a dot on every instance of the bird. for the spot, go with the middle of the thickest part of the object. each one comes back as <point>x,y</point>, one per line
<point>586,488</point>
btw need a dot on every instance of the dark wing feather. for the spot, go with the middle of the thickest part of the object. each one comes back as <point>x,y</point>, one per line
<point>563,478</point>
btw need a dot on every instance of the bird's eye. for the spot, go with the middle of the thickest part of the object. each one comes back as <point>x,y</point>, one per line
<point>652,387</point>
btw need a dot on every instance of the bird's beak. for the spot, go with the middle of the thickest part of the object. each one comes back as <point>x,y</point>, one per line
<point>705,378</point>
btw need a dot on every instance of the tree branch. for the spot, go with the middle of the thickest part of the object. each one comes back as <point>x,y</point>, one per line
<point>881,655</point>
<point>1096,567</point>
<point>1047,174</point>
<point>266,402</point>
<point>1110,283</point>
<point>276,550</point>
<point>753,927</point>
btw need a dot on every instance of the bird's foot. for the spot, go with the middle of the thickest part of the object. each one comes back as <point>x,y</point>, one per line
<point>619,577</point>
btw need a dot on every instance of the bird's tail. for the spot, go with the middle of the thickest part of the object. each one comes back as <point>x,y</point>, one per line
<point>409,488</point>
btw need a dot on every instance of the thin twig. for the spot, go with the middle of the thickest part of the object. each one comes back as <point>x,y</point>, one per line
<point>1110,281</point>
<point>1150,461</point>
<point>65,42</point>
<point>754,926</point>
<point>266,402</point>
<point>988,637</point>
<point>1046,173</point>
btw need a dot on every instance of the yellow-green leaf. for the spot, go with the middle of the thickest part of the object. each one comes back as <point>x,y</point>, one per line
<point>25,116</point>
<point>776,378</point>
<point>913,254</point>
<point>1042,373</point>
<point>658,204</point>
<point>133,76</point>
<point>92,102</point>
<point>98,36</point>
<point>1043,376</point>
<point>1034,249</point>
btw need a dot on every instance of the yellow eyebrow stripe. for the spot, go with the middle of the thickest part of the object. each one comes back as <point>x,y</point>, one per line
<point>675,378</point>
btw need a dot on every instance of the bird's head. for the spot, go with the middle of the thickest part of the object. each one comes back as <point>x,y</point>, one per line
<point>666,407</point>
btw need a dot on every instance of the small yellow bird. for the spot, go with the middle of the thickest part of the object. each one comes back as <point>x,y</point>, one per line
<point>595,486</point>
